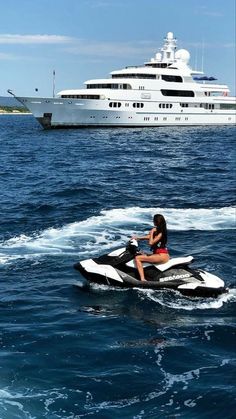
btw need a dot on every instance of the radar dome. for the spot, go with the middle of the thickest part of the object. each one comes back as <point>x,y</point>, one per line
<point>183,55</point>
<point>170,35</point>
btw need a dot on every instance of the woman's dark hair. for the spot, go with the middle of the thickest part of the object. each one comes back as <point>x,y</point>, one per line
<point>160,222</point>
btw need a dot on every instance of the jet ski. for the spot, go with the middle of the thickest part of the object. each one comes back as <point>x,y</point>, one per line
<point>118,268</point>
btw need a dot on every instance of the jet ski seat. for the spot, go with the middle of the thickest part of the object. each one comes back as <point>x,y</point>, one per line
<point>164,266</point>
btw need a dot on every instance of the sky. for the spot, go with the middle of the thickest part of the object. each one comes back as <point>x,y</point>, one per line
<point>86,39</point>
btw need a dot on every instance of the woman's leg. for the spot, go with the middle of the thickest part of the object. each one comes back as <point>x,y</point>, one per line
<point>138,261</point>
<point>160,258</point>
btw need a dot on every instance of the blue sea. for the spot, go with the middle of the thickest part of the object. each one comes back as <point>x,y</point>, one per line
<point>67,195</point>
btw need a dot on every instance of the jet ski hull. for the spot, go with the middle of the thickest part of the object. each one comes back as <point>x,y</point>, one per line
<point>131,282</point>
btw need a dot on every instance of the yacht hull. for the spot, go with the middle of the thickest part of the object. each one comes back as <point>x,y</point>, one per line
<point>61,113</point>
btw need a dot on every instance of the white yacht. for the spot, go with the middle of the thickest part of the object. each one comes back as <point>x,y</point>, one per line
<point>164,91</point>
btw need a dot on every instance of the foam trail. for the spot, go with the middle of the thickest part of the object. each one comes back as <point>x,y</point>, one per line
<point>178,219</point>
<point>110,229</point>
<point>182,303</point>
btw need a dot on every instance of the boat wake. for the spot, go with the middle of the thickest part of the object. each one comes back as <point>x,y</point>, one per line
<point>110,230</point>
<point>176,301</point>
<point>170,298</point>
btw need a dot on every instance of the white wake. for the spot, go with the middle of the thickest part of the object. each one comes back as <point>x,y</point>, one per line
<point>109,229</point>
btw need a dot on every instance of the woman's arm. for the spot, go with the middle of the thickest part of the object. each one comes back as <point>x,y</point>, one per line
<point>152,239</point>
<point>141,238</point>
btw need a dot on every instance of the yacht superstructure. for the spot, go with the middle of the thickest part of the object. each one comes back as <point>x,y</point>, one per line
<point>164,91</point>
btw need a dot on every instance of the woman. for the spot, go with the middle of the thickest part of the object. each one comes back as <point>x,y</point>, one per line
<point>157,239</point>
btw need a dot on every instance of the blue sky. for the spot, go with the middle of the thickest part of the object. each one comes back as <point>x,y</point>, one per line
<point>86,39</point>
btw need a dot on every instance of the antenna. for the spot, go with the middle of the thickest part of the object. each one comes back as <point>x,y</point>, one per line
<point>196,57</point>
<point>203,47</point>
<point>53,83</point>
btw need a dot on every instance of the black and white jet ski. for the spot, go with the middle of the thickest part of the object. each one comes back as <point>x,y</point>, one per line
<point>118,268</point>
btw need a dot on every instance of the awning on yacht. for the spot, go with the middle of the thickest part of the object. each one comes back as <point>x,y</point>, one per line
<point>204,78</point>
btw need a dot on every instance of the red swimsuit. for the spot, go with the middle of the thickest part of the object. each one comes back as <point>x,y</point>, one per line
<point>160,250</point>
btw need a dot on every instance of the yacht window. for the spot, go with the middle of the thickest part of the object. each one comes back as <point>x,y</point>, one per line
<point>184,93</point>
<point>134,76</point>
<point>184,105</point>
<point>115,104</point>
<point>157,65</point>
<point>176,79</point>
<point>109,86</point>
<point>138,105</point>
<point>228,106</point>
<point>81,96</point>
<point>165,105</point>
<point>209,106</point>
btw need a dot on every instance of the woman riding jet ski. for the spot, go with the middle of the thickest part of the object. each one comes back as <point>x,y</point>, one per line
<point>118,268</point>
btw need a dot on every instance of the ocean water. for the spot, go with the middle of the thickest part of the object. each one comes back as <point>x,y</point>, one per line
<point>106,353</point>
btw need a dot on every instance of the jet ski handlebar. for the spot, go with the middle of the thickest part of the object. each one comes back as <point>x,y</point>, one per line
<point>132,246</point>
